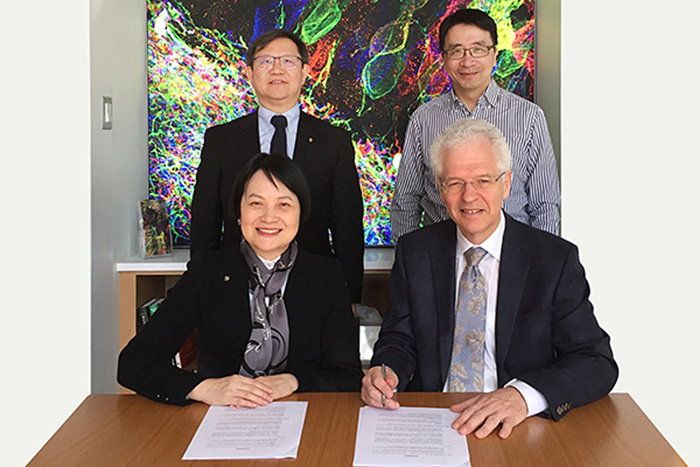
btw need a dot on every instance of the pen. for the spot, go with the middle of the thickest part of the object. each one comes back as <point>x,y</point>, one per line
<point>383,376</point>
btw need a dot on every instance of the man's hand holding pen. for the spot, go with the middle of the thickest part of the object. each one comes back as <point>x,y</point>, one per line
<point>379,387</point>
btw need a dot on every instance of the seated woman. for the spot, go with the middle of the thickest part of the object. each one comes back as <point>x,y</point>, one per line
<point>271,319</point>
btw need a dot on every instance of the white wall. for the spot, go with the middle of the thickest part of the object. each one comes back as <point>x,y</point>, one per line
<point>630,161</point>
<point>45,231</point>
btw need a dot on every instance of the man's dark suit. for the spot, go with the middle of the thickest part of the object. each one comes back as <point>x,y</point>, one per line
<point>546,334</point>
<point>325,155</point>
<point>212,296</point>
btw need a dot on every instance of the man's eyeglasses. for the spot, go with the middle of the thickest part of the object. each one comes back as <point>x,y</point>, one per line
<point>266,62</point>
<point>453,186</point>
<point>476,51</point>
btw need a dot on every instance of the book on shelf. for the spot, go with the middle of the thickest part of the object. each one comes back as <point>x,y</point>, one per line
<point>143,314</point>
<point>153,306</point>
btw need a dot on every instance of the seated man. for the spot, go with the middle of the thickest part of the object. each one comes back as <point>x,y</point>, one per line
<point>484,303</point>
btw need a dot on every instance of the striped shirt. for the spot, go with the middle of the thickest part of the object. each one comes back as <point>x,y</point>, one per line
<point>534,195</point>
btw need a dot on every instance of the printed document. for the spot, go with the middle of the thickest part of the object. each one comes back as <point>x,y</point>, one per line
<point>409,436</point>
<point>270,432</point>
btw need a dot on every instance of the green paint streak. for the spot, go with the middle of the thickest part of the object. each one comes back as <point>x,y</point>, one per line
<point>324,16</point>
<point>507,64</point>
<point>283,16</point>
<point>390,38</point>
<point>380,75</point>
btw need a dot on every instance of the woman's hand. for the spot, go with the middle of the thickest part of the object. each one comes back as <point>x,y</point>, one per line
<point>282,385</point>
<point>235,391</point>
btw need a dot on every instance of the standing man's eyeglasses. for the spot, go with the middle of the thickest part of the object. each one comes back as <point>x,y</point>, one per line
<point>266,62</point>
<point>477,51</point>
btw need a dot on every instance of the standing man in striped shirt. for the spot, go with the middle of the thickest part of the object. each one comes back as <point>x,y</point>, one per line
<point>468,41</point>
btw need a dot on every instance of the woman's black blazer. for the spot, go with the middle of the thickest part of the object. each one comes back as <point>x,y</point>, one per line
<point>212,297</point>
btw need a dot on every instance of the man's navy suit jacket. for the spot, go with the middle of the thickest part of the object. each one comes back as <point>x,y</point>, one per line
<point>546,333</point>
<point>324,154</point>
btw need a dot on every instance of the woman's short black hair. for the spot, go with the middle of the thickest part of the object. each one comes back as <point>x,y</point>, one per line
<point>468,16</point>
<point>277,168</point>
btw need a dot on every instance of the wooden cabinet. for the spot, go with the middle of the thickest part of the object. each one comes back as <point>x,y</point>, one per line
<point>143,279</point>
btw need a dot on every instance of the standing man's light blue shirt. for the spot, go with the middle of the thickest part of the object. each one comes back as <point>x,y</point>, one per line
<point>266,130</point>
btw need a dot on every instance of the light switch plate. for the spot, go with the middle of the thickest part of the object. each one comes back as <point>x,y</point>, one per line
<point>106,113</point>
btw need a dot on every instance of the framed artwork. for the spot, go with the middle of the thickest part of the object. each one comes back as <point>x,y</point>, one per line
<point>155,235</point>
<point>372,63</point>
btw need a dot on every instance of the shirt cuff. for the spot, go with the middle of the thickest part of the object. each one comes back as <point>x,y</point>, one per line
<point>534,399</point>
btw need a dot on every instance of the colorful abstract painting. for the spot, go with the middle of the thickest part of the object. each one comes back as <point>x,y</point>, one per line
<point>373,62</point>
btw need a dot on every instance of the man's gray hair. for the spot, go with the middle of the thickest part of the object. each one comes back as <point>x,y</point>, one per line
<point>466,131</point>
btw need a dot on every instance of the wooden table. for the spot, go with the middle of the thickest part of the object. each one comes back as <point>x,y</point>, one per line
<point>131,430</point>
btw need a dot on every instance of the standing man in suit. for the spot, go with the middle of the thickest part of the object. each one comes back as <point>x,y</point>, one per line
<point>468,41</point>
<point>484,303</point>
<point>277,65</point>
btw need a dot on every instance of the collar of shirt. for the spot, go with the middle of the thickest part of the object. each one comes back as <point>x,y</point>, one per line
<point>492,244</point>
<point>269,263</point>
<point>266,130</point>
<point>489,97</point>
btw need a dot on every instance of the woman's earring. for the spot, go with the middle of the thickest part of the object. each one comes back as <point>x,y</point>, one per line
<point>238,221</point>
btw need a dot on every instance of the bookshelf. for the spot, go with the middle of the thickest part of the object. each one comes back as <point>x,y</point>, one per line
<point>142,279</point>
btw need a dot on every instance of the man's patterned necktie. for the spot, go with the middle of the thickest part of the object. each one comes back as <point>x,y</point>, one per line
<point>467,365</point>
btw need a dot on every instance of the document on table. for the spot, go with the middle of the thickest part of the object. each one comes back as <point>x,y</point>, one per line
<point>409,436</point>
<point>270,432</point>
